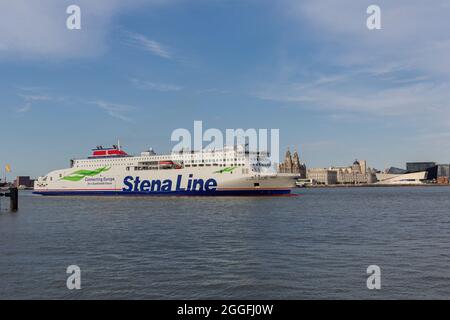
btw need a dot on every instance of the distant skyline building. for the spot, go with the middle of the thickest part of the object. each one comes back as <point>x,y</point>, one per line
<point>416,173</point>
<point>292,164</point>
<point>419,166</point>
<point>23,181</point>
<point>360,173</point>
<point>394,170</point>
<point>444,170</point>
<point>402,179</point>
<point>355,174</point>
<point>363,166</point>
<point>443,173</point>
<point>322,176</point>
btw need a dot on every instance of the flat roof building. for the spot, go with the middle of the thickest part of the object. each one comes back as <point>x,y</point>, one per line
<point>419,166</point>
<point>443,170</point>
<point>322,176</point>
<point>23,181</point>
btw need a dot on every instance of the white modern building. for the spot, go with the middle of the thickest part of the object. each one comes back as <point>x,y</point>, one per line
<point>407,178</point>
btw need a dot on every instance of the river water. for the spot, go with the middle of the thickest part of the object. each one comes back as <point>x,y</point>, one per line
<point>316,245</point>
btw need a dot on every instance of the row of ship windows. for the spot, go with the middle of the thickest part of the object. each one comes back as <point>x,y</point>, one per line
<point>140,168</point>
<point>190,165</point>
<point>168,159</point>
<point>224,161</point>
<point>186,165</point>
<point>212,161</point>
<point>161,158</point>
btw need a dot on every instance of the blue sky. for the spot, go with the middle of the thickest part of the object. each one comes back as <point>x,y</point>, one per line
<point>139,69</point>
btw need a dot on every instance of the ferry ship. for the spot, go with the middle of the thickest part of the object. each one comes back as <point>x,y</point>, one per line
<point>232,171</point>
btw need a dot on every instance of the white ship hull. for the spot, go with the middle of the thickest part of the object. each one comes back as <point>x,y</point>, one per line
<point>126,176</point>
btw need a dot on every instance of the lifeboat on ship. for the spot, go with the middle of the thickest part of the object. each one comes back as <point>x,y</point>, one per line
<point>166,164</point>
<point>169,164</point>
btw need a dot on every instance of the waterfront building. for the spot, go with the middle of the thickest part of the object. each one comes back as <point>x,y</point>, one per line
<point>419,166</point>
<point>442,180</point>
<point>443,170</point>
<point>345,177</point>
<point>357,173</point>
<point>432,173</point>
<point>322,176</point>
<point>23,182</point>
<point>407,178</point>
<point>394,170</point>
<point>371,176</point>
<point>292,164</point>
<point>363,166</point>
<point>356,167</point>
<point>443,173</point>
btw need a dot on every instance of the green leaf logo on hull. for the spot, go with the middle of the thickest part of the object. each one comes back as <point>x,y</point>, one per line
<point>80,174</point>
<point>225,170</point>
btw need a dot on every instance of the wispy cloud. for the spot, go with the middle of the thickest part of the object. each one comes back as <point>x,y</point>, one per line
<point>36,29</point>
<point>115,110</point>
<point>400,73</point>
<point>25,108</point>
<point>149,45</point>
<point>32,88</point>
<point>32,96</point>
<point>162,87</point>
<point>213,91</point>
<point>412,33</point>
<point>411,80</point>
<point>406,100</point>
<point>36,97</point>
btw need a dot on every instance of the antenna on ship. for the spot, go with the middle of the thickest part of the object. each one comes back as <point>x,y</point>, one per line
<point>118,144</point>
